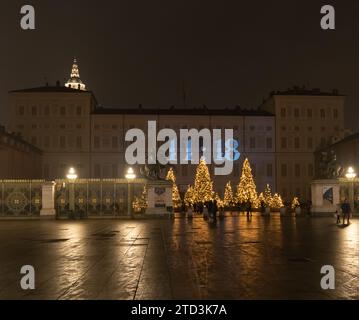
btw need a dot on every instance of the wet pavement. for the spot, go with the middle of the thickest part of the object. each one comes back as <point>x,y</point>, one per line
<point>266,258</point>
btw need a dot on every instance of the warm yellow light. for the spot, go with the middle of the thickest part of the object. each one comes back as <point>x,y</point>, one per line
<point>71,174</point>
<point>350,173</point>
<point>130,174</point>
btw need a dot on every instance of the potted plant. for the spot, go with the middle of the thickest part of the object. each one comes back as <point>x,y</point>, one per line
<point>296,206</point>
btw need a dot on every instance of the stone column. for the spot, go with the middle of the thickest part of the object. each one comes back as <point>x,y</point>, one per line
<point>48,199</point>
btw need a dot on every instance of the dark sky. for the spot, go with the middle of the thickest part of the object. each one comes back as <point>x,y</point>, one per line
<point>227,52</point>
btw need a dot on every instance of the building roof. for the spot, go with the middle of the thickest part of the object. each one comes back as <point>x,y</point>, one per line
<point>237,111</point>
<point>303,91</point>
<point>51,89</point>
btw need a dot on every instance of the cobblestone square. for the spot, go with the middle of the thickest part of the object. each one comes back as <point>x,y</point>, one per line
<point>266,258</point>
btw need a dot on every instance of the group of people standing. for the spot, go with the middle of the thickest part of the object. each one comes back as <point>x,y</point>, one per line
<point>208,210</point>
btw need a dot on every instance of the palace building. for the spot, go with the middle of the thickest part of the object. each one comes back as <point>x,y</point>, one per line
<point>279,137</point>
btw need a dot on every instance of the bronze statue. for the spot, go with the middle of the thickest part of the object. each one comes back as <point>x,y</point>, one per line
<point>329,167</point>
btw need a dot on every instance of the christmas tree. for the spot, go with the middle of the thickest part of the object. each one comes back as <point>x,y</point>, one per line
<point>188,197</point>
<point>203,185</point>
<point>267,196</point>
<point>246,188</point>
<point>176,198</point>
<point>140,203</point>
<point>220,202</point>
<point>295,203</point>
<point>277,202</point>
<point>228,200</point>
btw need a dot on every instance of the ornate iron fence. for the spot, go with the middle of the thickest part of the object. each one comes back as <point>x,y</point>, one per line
<point>95,197</point>
<point>20,198</point>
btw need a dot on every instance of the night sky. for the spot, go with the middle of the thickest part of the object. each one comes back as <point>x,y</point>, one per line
<point>226,53</point>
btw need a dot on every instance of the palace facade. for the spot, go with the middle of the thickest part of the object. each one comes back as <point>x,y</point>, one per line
<point>279,138</point>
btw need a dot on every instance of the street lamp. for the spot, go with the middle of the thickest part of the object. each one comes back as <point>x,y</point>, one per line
<point>71,176</point>
<point>350,175</point>
<point>130,175</point>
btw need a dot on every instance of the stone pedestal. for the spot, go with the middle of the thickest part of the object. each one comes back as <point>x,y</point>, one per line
<point>48,200</point>
<point>159,197</point>
<point>325,196</point>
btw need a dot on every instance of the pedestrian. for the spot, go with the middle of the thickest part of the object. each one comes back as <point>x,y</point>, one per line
<point>346,210</point>
<point>337,213</point>
<point>214,210</point>
<point>249,210</point>
<point>205,212</point>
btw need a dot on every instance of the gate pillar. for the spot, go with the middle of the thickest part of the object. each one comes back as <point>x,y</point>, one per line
<point>48,199</point>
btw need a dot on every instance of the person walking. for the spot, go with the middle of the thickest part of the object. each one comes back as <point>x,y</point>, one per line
<point>346,211</point>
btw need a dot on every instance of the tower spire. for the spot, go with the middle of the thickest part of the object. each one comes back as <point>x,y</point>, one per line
<point>75,82</point>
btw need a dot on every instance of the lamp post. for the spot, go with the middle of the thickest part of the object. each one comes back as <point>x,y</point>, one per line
<point>350,175</point>
<point>71,176</point>
<point>130,175</point>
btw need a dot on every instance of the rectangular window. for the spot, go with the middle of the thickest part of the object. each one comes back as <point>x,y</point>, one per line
<point>310,143</point>
<point>283,143</point>
<point>21,110</point>
<point>269,170</point>
<point>97,170</point>
<point>296,113</point>
<point>322,113</point>
<point>296,143</point>
<point>114,142</point>
<point>34,141</point>
<point>47,142</point>
<point>79,142</point>
<point>269,143</point>
<point>309,113</point>
<point>96,142</point>
<point>283,170</point>
<point>78,111</point>
<point>335,114</point>
<point>47,110</point>
<point>252,143</point>
<point>297,170</point>
<point>283,112</point>
<point>62,142</point>
<point>33,110</point>
<point>105,143</point>
<point>62,111</point>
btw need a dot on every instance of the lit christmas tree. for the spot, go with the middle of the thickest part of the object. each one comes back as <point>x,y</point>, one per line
<point>246,188</point>
<point>295,203</point>
<point>220,202</point>
<point>176,198</point>
<point>188,197</point>
<point>203,185</point>
<point>277,202</point>
<point>228,200</point>
<point>140,203</point>
<point>267,196</point>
